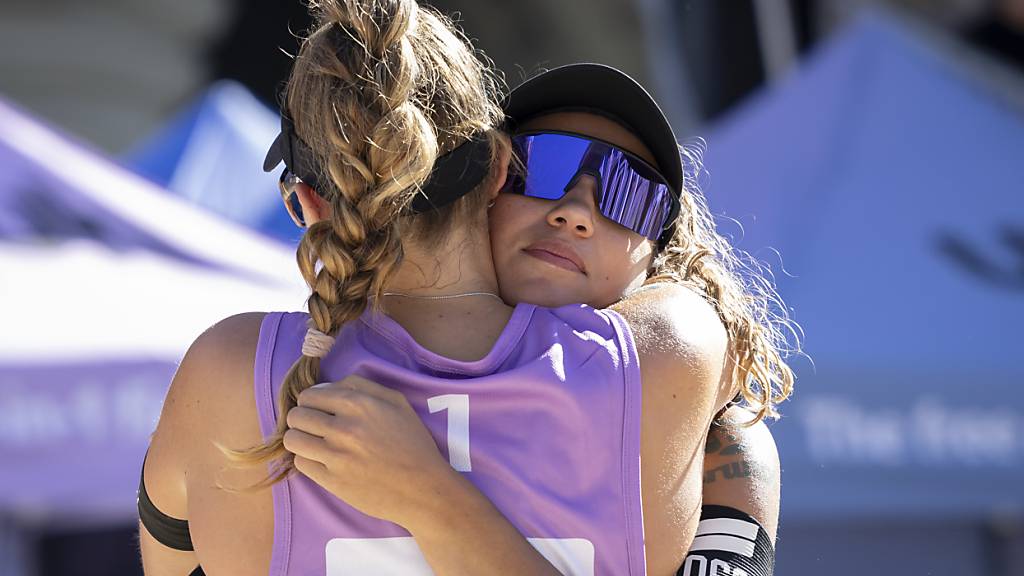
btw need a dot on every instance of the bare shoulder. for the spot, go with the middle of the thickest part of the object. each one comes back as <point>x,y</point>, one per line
<point>741,468</point>
<point>217,368</point>
<point>219,364</point>
<point>664,316</point>
<point>212,383</point>
<point>680,340</point>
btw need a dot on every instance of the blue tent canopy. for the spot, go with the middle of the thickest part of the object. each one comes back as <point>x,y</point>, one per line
<point>212,154</point>
<point>888,178</point>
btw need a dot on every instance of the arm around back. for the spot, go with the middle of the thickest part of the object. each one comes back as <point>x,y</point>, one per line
<point>683,353</point>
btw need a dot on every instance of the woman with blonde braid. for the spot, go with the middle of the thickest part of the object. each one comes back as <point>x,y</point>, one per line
<point>391,144</point>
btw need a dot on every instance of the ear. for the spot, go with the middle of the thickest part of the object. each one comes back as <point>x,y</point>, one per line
<point>499,172</point>
<point>314,207</point>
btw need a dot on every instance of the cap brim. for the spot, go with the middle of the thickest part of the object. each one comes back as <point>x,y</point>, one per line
<point>276,153</point>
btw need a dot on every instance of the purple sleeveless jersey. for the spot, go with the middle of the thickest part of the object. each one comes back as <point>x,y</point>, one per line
<point>547,425</point>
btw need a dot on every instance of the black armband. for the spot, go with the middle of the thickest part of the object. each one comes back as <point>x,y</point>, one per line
<point>729,543</point>
<point>168,531</point>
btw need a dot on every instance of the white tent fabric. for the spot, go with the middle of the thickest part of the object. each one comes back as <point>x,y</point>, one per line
<point>104,282</point>
<point>81,301</point>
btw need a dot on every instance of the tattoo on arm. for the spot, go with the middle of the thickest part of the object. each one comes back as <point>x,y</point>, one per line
<point>730,471</point>
<point>720,441</point>
<point>723,442</point>
<point>714,443</point>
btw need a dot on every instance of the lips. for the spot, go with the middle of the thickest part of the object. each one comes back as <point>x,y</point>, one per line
<point>558,254</point>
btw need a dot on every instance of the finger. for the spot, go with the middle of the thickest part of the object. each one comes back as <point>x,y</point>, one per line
<point>306,445</point>
<point>348,395</point>
<point>369,387</point>
<point>328,397</point>
<point>310,420</point>
<point>314,470</point>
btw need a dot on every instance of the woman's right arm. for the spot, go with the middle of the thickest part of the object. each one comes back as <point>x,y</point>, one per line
<point>210,398</point>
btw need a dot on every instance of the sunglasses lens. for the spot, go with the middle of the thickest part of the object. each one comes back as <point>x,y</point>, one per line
<point>287,184</point>
<point>630,192</point>
<point>295,209</point>
<point>552,163</point>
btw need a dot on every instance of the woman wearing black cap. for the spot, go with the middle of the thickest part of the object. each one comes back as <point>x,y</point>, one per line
<point>573,214</point>
<point>385,96</point>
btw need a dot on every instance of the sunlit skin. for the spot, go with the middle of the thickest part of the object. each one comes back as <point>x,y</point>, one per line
<point>557,252</point>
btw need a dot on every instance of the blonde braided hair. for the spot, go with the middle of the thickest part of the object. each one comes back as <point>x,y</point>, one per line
<point>378,91</point>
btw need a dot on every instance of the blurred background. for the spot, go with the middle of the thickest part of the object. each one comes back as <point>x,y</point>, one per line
<point>870,153</point>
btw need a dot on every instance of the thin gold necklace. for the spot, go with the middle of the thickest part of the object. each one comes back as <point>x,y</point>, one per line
<point>443,297</point>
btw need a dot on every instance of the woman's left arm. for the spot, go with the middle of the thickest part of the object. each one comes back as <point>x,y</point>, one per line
<point>741,468</point>
<point>740,509</point>
<point>365,444</point>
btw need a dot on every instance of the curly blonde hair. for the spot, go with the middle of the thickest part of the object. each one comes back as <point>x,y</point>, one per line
<point>379,89</point>
<point>761,333</point>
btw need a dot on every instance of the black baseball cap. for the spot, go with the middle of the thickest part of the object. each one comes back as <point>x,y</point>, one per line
<point>606,91</point>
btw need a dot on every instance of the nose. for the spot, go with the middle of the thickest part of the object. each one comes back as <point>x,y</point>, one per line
<point>575,210</point>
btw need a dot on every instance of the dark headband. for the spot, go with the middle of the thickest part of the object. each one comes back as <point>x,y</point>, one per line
<point>455,173</point>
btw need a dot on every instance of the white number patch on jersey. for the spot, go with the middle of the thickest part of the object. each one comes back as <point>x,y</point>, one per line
<point>401,556</point>
<point>457,406</point>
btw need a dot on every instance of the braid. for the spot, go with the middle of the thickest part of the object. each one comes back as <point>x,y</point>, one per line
<point>375,88</point>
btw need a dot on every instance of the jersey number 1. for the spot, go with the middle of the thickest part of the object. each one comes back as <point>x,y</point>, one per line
<point>457,406</point>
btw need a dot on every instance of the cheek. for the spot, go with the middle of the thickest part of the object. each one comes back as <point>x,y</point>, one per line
<point>641,254</point>
<point>510,219</point>
<point>624,267</point>
<point>501,218</point>
<point>507,225</point>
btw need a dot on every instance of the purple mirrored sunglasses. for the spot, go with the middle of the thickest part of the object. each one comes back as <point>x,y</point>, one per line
<point>630,192</point>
